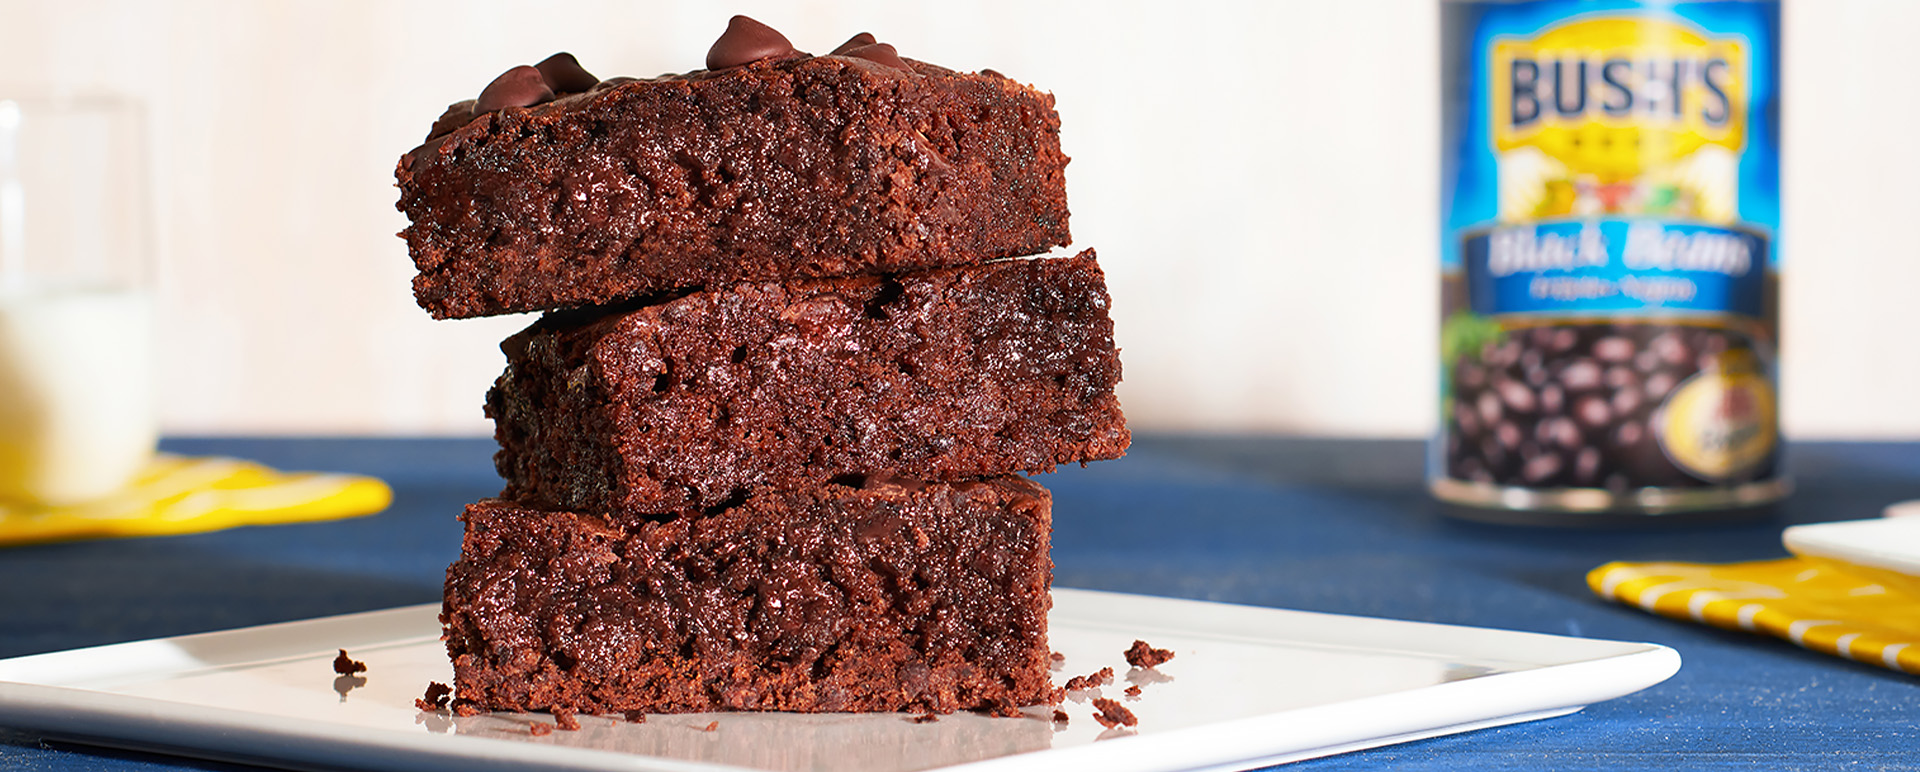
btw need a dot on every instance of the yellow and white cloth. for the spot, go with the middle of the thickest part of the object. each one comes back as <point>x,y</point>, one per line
<point>1810,604</point>
<point>177,494</point>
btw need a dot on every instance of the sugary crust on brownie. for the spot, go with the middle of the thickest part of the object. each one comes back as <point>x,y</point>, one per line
<point>886,596</point>
<point>800,166</point>
<point>947,374</point>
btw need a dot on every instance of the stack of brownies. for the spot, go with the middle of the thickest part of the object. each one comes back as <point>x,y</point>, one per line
<point>763,451</point>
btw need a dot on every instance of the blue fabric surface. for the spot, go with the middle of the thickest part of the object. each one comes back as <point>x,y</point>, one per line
<point>1322,525</point>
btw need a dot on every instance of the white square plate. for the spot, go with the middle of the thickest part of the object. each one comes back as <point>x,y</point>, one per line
<point>1886,550</point>
<point>1248,687</point>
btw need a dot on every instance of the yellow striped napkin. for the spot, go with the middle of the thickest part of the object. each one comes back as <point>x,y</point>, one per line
<point>177,494</point>
<point>1812,605</point>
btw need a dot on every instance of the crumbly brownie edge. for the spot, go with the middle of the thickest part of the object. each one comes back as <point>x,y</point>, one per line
<point>891,597</point>
<point>942,375</point>
<point>816,166</point>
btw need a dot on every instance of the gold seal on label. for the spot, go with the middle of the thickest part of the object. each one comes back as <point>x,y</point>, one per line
<point>1719,424</point>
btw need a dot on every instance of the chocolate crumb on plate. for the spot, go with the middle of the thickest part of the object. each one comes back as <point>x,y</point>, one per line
<point>345,665</point>
<point>436,697</point>
<point>540,729</point>
<point>925,718</point>
<point>711,725</point>
<point>1059,717</point>
<point>1133,691</point>
<point>1113,714</point>
<point>1091,680</point>
<point>565,719</point>
<point>1143,655</point>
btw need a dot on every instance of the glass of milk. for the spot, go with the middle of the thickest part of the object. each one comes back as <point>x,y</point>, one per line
<point>77,408</point>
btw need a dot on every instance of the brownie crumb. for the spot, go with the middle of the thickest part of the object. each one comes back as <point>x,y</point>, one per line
<point>565,719</point>
<point>1057,657</point>
<point>1143,655</point>
<point>635,716</point>
<point>465,708</point>
<point>540,729</point>
<point>924,718</point>
<point>999,708</point>
<point>1091,680</point>
<point>345,665</point>
<point>1113,714</point>
<point>1059,717</point>
<point>1133,691</point>
<point>711,726</point>
<point>436,697</point>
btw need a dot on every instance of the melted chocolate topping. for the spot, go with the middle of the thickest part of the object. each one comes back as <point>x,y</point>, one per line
<point>564,74</point>
<point>746,41</point>
<point>521,86</point>
<point>862,39</point>
<point>879,53</point>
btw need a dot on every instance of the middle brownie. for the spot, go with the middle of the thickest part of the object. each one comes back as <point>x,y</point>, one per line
<point>686,404</point>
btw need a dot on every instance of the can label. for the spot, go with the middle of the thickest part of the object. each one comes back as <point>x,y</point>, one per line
<point>1611,202</point>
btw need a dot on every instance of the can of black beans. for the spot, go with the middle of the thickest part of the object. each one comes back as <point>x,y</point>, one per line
<point>1610,210</point>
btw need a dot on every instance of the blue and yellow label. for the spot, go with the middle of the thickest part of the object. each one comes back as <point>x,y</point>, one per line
<point>1589,117</point>
<point>1611,207</point>
<point>1614,100</point>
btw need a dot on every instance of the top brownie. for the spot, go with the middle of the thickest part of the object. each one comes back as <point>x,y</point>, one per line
<point>556,190</point>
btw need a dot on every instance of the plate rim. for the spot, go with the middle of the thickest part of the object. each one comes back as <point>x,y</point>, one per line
<point>1540,689</point>
<point>1829,541</point>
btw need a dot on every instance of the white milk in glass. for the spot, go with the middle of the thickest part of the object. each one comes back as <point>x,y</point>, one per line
<point>77,416</point>
<point>77,411</point>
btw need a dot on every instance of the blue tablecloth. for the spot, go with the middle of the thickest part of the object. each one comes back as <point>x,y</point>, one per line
<point>1324,525</point>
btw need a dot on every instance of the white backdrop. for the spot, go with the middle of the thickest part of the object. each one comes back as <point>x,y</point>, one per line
<point>1259,178</point>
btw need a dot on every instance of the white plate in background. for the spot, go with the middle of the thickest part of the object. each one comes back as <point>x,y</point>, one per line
<point>1248,687</point>
<point>1884,549</point>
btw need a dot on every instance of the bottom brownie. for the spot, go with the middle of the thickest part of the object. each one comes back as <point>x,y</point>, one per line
<point>877,595</point>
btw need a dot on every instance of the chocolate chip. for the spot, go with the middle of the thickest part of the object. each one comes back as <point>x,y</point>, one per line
<point>862,39</point>
<point>519,87</point>
<point>564,74</point>
<point>746,41</point>
<point>882,54</point>
<point>458,114</point>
